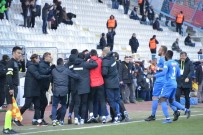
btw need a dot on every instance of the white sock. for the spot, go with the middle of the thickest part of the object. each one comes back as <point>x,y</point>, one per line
<point>91,114</point>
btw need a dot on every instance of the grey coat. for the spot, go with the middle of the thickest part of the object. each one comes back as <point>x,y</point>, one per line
<point>60,77</point>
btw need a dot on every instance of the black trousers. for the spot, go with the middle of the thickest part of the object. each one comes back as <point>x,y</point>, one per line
<point>72,102</point>
<point>141,9</point>
<point>1,16</point>
<point>134,50</point>
<point>178,28</point>
<point>32,22</point>
<point>43,102</point>
<point>28,102</point>
<point>97,94</point>
<point>2,94</point>
<point>186,92</point>
<point>80,100</point>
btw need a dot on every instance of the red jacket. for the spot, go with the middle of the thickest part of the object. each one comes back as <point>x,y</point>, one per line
<point>96,78</point>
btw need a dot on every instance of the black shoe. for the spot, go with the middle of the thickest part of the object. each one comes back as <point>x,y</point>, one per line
<point>176,115</point>
<point>35,123</point>
<point>44,123</point>
<point>69,120</point>
<point>150,118</point>
<point>17,123</point>
<point>8,131</point>
<point>187,112</point>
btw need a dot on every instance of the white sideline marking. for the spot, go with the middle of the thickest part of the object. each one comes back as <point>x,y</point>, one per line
<point>90,127</point>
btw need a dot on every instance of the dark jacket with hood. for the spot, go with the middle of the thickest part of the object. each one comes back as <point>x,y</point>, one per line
<point>188,72</point>
<point>110,72</point>
<point>110,37</point>
<point>60,76</point>
<point>133,42</point>
<point>81,67</point>
<point>45,11</point>
<point>102,42</point>
<point>32,80</point>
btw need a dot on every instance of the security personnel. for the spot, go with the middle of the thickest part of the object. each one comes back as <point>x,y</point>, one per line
<point>111,23</point>
<point>179,21</point>
<point>152,45</point>
<point>12,82</point>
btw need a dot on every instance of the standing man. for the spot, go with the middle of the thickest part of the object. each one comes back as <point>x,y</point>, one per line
<point>133,42</point>
<point>12,82</point>
<point>111,82</point>
<point>45,69</point>
<point>158,84</point>
<point>171,71</point>
<point>141,4</point>
<point>152,45</point>
<point>111,23</point>
<point>185,78</point>
<point>126,80</point>
<point>179,22</point>
<point>126,6</point>
<point>110,38</point>
<point>199,76</point>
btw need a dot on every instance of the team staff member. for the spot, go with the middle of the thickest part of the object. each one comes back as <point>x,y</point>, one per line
<point>45,69</point>
<point>12,82</point>
<point>153,45</point>
<point>111,23</point>
<point>179,22</point>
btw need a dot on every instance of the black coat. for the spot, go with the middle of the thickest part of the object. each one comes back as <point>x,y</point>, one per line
<point>156,25</point>
<point>110,72</point>
<point>45,11</point>
<point>141,81</point>
<point>110,37</point>
<point>199,74</point>
<point>44,69</point>
<point>32,80</point>
<point>187,73</point>
<point>126,72</point>
<point>102,42</point>
<point>81,67</point>
<point>188,40</point>
<point>133,42</point>
<point>3,71</point>
<point>151,14</point>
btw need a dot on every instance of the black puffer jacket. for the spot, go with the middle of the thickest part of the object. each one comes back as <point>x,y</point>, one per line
<point>187,73</point>
<point>81,67</point>
<point>110,72</point>
<point>32,80</point>
<point>44,69</point>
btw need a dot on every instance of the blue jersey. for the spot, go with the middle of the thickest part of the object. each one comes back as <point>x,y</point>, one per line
<point>171,71</point>
<point>160,64</point>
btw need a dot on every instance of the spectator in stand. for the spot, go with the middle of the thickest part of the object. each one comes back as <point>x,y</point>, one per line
<point>152,45</point>
<point>133,14</point>
<point>3,71</point>
<point>66,19</point>
<point>179,22</point>
<point>45,12</point>
<point>59,11</point>
<point>199,76</point>
<point>141,4</point>
<point>126,5</point>
<point>185,80</point>
<point>38,7</point>
<point>188,41</point>
<point>133,42</point>
<point>111,23</point>
<point>175,46</point>
<point>110,38</point>
<point>151,14</point>
<point>200,54</point>
<point>115,4</point>
<point>32,88</point>
<point>144,19</point>
<point>2,8</point>
<point>27,14</point>
<point>7,6</point>
<point>33,13</point>
<point>102,42</point>
<point>147,5</point>
<point>156,25</point>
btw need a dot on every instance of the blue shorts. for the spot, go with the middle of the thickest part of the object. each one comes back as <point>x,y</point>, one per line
<point>157,89</point>
<point>168,92</point>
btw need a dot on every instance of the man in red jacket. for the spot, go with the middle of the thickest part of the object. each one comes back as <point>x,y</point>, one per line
<point>97,88</point>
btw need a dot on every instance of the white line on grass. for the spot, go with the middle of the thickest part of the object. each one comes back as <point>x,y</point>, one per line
<point>90,127</point>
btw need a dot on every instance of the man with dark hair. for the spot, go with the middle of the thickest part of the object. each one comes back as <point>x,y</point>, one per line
<point>171,71</point>
<point>185,79</point>
<point>102,42</point>
<point>74,51</point>
<point>3,70</point>
<point>97,92</point>
<point>153,45</point>
<point>179,22</point>
<point>45,69</point>
<point>81,67</point>
<point>12,82</point>
<point>133,42</point>
<point>110,38</point>
<point>60,77</point>
<point>188,41</point>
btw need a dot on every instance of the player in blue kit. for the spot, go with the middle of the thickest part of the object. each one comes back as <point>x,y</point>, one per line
<point>171,71</point>
<point>158,85</point>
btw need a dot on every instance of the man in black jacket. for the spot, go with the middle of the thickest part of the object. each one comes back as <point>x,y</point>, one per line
<point>102,42</point>
<point>110,38</point>
<point>60,90</point>
<point>126,80</point>
<point>133,42</point>
<point>199,76</point>
<point>3,70</point>
<point>185,80</point>
<point>188,41</point>
<point>111,82</point>
<point>45,69</point>
<point>156,25</point>
<point>12,82</point>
